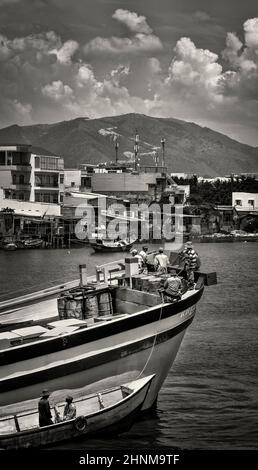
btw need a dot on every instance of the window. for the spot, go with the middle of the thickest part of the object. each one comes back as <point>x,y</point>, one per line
<point>9,158</point>
<point>2,158</point>
<point>61,179</point>
<point>72,184</point>
<point>251,202</point>
<point>37,162</point>
<point>238,202</point>
<point>21,179</point>
<point>14,179</point>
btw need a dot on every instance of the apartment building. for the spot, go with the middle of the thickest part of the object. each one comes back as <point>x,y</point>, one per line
<point>32,174</point>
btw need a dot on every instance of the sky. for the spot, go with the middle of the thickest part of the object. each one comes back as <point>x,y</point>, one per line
<point>195,60</point>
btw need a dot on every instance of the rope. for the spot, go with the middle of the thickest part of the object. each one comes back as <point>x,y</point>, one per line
<point>152,348</point>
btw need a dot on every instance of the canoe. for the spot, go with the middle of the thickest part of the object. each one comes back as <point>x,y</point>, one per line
<point>112,410</point>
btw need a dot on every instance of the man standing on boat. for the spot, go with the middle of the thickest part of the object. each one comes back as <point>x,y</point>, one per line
<point>45,417</point>
<point>161,262</point>
<point>190,258</point>
<point>135,254</point>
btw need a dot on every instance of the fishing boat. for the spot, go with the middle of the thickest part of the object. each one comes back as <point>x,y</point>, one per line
<point>106,246</point>
<point>112,410</point>
<point>114,326</point>
<point>32,243</point>
<point>8,244</point>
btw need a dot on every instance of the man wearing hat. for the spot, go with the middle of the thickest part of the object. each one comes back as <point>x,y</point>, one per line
<point>69,409</point>
<point>173,286</point>
<point>143,253</point>
<point>161,262</point>
<point>190,258</point>
<point>45,417</point>
<point>135,254</point>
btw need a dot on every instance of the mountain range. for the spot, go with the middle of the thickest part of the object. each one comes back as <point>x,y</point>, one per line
<point>189,148</point>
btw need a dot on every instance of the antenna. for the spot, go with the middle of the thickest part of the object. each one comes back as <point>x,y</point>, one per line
<point>163,150</point>
<point>136,149</point>
<point>116,148</point>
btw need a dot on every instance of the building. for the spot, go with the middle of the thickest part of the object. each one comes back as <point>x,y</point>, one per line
<point>246,206</point>
<point>32,174</point>
<point>245,202</point>
<point>145,186</point>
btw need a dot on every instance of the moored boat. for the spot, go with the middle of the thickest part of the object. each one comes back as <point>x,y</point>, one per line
<point>105,332</point>
<point>113,410</point>
<point>100,245</point>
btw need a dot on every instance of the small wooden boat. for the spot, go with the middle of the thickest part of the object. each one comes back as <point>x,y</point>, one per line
<point>111,410</point>
<point>111,247</point>
<point>33,243</point>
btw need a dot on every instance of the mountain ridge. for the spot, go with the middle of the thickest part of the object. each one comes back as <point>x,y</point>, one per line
<point>189,147</point>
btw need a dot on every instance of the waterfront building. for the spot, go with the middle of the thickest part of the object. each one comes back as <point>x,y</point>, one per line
<point>30,173</point>
<point>245,202</point>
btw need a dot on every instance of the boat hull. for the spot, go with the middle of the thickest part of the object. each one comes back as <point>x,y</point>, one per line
<point>143,348</point>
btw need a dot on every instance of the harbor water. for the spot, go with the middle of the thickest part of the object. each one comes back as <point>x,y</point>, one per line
<point>209,399</point>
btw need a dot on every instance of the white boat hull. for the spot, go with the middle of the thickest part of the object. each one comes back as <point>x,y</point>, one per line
<point>150,349</point>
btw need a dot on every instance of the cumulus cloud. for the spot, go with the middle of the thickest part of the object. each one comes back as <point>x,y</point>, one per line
<point>66,51</point>
<point>142,41</point>
<point>242,77</point>
<point>138,44</point>
<point>134,22</point>
<point>194,72</point>
<point>57,91</point>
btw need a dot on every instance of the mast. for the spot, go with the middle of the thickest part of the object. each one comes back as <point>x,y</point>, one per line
<point>136,149</point>
<point>116,148</point>
<point>163,150</point>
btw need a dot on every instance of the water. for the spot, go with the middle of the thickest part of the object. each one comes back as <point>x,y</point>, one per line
<point>209,399</point>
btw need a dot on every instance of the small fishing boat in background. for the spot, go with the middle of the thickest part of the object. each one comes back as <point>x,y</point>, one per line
<point>112,247</point>
<point>112,410</point>
<point>8,244</point>
<point>33,243</point>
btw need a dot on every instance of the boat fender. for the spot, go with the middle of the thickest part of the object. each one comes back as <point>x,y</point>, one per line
<point>80,423</point>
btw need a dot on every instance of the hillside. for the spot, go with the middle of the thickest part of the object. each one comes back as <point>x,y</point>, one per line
<point>189,147</point>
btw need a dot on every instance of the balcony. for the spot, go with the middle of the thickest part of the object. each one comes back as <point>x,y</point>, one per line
<point>21,186</point>
<point>47,185</point>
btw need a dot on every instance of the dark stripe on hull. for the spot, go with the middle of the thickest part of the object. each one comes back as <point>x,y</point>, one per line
<point>42,347</point>
<point>90,361</point>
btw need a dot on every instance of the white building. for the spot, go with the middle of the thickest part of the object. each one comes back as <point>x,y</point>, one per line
<point>32,174</point>
<point>245,202</point>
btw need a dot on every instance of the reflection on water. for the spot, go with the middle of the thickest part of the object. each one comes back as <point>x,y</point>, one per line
<point>209,400</point>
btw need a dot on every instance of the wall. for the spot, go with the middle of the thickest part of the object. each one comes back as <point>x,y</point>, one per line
<point>123,182</point>
<point>72,176</point>
<point>33,209</point>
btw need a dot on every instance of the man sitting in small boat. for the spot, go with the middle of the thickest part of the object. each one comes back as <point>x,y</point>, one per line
<point>45,417</point>
<point>69,409</point>
<point>173,286</point>
<point>161,262</point>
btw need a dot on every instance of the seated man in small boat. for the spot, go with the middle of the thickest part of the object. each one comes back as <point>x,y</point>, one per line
<point>173,286</point>
<point>161,262</point>
<point>69,409</point>
<point>45,416</point>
